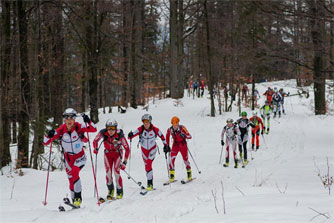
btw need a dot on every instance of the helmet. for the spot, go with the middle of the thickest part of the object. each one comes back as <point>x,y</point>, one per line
<point>229,120</point>
<point>147,117</point>
<point>243,113</point>
<point>175,120</point>
<point>269,88</point>
<point>111,123</point>
<point>281,89</point>
<point>275,88</point>
<point>69,112</point>
<point>254,113</point>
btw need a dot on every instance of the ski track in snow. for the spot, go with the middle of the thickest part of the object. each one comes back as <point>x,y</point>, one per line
<point>279,185</point>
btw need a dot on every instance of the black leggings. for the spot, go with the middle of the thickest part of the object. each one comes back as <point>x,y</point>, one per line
<point>245,150</point>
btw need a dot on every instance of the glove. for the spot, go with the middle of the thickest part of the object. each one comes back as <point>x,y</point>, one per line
<point>130,135</point>
<point>262,132</point>
<point>82,136</point>
<point>222,142</point>
<point>96,151</point>
<point>166,149</point>
<point>51,133</point>
<point>86,118</point>
<point>182,135</point>
<point>122,166</point>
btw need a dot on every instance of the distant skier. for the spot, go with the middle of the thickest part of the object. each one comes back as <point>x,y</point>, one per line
<point>232,131</point>
<point>269,93</point>
<point>147,136</point>
<point>202,88</point>
<point>283,94</point>
<point>71,136</point>
<point>114,142</point>
<point>257,121</point>
<point>277,100</point>
<point>256,96</point>
<point>244,93</point>
<point>179,134</point>
<point>243,124</point>
<point>266,111</point>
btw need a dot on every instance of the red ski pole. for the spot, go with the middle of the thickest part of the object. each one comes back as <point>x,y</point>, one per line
<point>91,158</point>
<point>47,178</point>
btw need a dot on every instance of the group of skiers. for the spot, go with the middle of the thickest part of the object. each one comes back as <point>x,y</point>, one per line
<point>116,149</point>
<point>237,132</point>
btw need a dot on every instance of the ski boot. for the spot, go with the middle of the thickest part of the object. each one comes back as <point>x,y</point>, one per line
<point>253,147</point>
<point>77,202</point>
<point>149,185</point>
<point>279,114</point>
<point>226,162</point>
<point>110,195</point>
<point>119,193</point>
<point>274,114</point>
<point>267,131</point>
<point>257,147</point>
<point>235,163</point>
<point>284,112</point>
<point>171,176</point>
<point>189,177</point>
<point>245,162</point>
<point>241,157</point>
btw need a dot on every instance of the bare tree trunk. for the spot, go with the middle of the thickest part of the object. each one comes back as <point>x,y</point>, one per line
<point>5,158</point>
<point>208,47</point>
<point>180,50</point>
<point>318,38</point>
<point>173,24</point>
<point>23,138</point>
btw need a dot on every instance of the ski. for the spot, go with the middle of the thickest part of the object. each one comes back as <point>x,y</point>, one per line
<point>68,202</point>
<point>187,181</point>
<point>144,192</point>
<point>169,182</point>
<point>106,200</point>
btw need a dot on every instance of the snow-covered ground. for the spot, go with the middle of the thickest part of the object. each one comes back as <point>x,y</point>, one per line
<point>281,184</point>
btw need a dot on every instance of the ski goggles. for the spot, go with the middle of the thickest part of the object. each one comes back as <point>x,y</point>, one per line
<point>69,116</point>
<point>111,128</point>
<point>229,122</point>
<point>145,121</point>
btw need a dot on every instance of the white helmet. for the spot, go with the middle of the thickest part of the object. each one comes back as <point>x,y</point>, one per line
<point>111,122</point>
<point>70,112</point>
<point>146,117</point>
<point>229,120</point>
<point>254,113</point>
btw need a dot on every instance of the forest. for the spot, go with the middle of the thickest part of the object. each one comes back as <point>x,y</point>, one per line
<point>104,53</point>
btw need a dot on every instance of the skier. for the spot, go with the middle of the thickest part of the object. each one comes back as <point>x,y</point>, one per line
<point>114,142</point>
<point>256,96</point>
<point>179,134</point>
<point>231,131</point>
<point>147,135</point>
<point>266,111</point>
<point>269,93</point>
<point>257,121</point>
<point>243,124</point>
<point>71,136</point>
<point>245,92</point>
<point>277,100</point>
<point>283,94</point>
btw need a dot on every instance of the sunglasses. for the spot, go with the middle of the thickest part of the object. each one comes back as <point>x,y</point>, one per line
<point>68,116</point>
<point>111,128</point>
<point>229,122</point>
<point>146,121</point>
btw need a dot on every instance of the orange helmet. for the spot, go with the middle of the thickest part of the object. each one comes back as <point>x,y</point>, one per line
<point>175,120</point>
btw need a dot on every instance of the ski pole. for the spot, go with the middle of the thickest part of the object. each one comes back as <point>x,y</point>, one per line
<point>130,158</point>
<point>96,164</point>
<point>194,161</point>
<point>47,177</point>
<point>138,183</point>
<point>91,158</point>
<point>167,165</point>
<point>264,141</point>
<point>221,154</point>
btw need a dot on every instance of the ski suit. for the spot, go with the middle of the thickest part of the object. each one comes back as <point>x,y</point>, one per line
<point>74,154</point>
<point>257,121</point>
<point>283,94</point>
<point>277,99</point>
<point>113,154</point>
<point>149,148</point>
<point>243,137</point>
<point>231,140</point>
<point>269,94</point>
<point>265,111</point>
<point>179,145</point>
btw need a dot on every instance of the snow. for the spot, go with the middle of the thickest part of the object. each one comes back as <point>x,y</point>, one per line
<point>281,184</point>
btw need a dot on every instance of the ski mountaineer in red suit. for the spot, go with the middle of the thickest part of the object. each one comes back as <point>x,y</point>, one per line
<point>71,137</point>
<point>179,134</point>
<point>114,142</point>
<point>269,93</point>
<point>257,121</point>
<point>147,136</point>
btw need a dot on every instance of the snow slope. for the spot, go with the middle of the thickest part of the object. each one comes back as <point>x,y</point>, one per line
<point>280,185</point>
